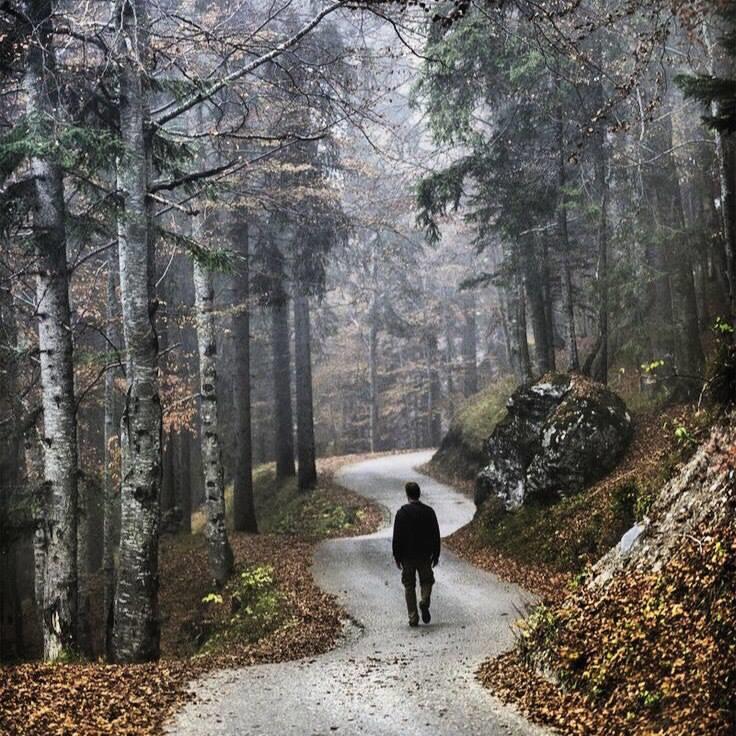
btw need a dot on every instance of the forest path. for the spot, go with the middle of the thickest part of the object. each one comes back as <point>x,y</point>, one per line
<point>384,678</point>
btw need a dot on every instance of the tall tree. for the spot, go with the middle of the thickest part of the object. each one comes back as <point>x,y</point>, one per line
<point>219,552</point>
<point>58,519</point>
<point>306,451</point>
<point>244,514</point>
<point>281,359</point>
<point>137,625</point>
<point>469,345</point>
<point>109,438</point>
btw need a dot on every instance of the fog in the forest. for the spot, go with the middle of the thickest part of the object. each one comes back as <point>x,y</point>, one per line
<point>242,237</point>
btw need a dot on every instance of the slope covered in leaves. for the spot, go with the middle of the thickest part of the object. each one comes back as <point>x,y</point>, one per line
<point>544,547</point>
<point>649,648</point>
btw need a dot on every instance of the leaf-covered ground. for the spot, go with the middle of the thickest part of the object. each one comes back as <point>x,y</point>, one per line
<point>93,699</point>
<point>654,654</point>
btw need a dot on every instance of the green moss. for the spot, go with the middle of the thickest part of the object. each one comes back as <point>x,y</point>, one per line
<point>566,536</point>
<point>482,412</point>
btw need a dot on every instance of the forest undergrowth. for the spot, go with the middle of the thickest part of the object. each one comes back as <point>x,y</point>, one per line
<point>271,610</point>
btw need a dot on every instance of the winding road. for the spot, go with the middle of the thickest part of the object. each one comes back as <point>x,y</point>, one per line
<point>384,679</point>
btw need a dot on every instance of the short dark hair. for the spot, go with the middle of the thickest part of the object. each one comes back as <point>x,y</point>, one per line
<point>413,490</point>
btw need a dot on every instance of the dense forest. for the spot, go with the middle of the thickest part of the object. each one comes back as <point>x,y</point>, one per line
<point>242,236</point>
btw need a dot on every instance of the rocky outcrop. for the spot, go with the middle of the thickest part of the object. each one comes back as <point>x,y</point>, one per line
<point>701,495</point>
<point>559,435</point>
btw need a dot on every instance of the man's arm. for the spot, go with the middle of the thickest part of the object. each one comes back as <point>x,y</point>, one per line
<point>397,540</point>
<point>436,542</point>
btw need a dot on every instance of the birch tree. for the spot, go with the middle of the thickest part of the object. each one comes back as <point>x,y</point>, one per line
<point>57,536</point>
<point>136,624</point>
<point>218,548</point>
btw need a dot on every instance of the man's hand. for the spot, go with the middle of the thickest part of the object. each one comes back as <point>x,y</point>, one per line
<point>435,561</point>
<point>398,564</point>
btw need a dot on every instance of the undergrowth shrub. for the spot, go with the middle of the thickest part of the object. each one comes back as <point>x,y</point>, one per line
<point>256,609</point>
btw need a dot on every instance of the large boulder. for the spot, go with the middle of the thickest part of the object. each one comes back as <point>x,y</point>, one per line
<point>559,435</point>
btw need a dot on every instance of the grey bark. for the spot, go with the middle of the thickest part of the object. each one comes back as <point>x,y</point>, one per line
<point>218,548</point>
<point>11,455</point>
<point>721,64</point>
<point>690,359</point>
<point>110,436</point>
<point>448,358</point>
<point>305,444</point>
<point>434,416</point>
<point>537,307</point>
<point>545,278</point>
<point>137,627</point>
<point>58,520</point>
<point>517,327</point>
<point>374,426</point>
<point>568,305</point>
<point>184,475</point>
<point>84,604</point>
<point>600,366</point>
<point>284,421</point>
<point>469,346</point>
<point>374,415</point>
<point>243,506</point>
<point>674,264</point>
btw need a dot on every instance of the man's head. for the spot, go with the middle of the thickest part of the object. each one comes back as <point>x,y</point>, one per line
<point>413,491</point>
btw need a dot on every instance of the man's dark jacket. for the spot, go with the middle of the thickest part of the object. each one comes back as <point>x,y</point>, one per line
<point>416,533</point>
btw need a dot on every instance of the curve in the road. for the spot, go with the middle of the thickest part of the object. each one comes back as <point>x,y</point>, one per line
<point>388,679</point>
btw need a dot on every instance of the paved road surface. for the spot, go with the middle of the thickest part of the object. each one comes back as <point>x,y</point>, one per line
<point>385,679</point>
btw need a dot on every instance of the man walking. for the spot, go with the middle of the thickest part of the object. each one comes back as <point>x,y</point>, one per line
<point>416,548</point>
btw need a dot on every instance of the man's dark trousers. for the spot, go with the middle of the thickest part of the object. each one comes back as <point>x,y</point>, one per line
<point>409,571</point>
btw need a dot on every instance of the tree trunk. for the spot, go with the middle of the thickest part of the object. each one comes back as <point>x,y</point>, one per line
<point>11,454</point>
<point>434,416</point>
<point>535,297</point>
<point>525,362</point>
<point>374,413</point>
<point>600,368</point>
<point>568,305</point>
<point>84,630</point>
<point>244,513</point>
<point>548,306</point>
<point>306,453</point>
<point>469,346</point>
<point>664,185</point>
<point>184,476</point>
<point>516,310</point>
<point>137,626</point>
<point>109,487</point>
<point>284,421</point>
<point>219,553</point>
<point>720,63</point>
<point>58,534</point>
<point>448,359</point>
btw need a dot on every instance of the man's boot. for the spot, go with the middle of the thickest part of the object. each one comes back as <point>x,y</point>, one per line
<point>426,592</point>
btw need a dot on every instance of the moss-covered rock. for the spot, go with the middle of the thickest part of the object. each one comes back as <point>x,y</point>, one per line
<point>559,435</point>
